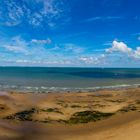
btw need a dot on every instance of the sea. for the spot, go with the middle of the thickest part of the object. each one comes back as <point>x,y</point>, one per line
<point>51,79</point>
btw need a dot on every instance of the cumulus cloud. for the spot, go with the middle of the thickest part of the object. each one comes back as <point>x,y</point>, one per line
<point>137,53</point>
<point>46,41</point>
<point>119,47</point>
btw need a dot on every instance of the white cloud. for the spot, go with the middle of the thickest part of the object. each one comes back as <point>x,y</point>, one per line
<point>88,60</point>
<point>46,41</point>
<point>16,45</point>
<point>119,47</point>
<point>35,19</point>
<point>15,49</point>
<point>95,60</point>
<point>103,18</point>
<point>42,62</point>
<point>22,61</point>
<point>14,13</point>
<point>73,47</point>
<point>137,53</point>
<point>108,43</point>
<point>50,8</point>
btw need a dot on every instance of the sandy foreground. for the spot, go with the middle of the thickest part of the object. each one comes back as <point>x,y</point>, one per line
<point>99,115</point>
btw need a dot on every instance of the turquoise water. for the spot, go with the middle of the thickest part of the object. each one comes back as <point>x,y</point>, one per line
<point>66,79</point>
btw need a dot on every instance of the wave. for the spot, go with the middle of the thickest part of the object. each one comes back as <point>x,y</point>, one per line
<point>43,89</point>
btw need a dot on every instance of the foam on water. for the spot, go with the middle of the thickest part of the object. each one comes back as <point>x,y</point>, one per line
<point>60,89</point>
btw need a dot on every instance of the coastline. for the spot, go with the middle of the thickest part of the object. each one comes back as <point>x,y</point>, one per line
<point>44,90</point>
<point>88,115</point>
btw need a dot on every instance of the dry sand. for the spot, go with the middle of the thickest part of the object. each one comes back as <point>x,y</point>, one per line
<point>100,115</point>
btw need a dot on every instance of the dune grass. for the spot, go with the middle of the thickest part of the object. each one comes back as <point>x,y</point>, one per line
<point>88,116</point>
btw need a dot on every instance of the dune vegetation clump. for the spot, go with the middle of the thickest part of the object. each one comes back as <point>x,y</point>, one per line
<point>49,110</point>
<point>22,116</point>
<point>128,108</point>
<point>88,116</point>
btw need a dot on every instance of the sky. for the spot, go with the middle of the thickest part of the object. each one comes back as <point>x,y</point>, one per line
<point>70,33</point>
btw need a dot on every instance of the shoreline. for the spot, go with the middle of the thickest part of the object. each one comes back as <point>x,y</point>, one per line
<point>46,90</point>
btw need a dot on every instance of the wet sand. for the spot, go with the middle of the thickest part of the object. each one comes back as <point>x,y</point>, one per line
<point>99,115</point>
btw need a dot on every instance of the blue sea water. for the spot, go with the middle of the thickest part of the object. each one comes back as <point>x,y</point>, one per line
<point>43,79</point>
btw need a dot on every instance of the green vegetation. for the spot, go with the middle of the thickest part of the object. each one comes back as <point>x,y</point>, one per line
<point>22,116</point>
<point>138,102</point>
<point>100,95</point>
<point>63,104</point>
<point>75,106</point>
<point>128,108</point>
<point>45,121</point>
<point>56,110</point>
<point>88,116</point>
<point>2,107</point>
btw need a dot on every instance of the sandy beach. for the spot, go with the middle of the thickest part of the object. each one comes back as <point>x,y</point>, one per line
<point>104,114</point>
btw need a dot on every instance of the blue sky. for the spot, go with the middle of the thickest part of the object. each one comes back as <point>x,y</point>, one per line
<point>83,33</point>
